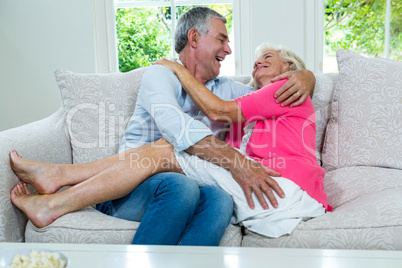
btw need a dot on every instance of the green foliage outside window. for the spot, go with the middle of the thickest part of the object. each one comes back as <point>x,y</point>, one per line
<point>141,38</point>
<point>144,34</point>
<point>359,25</point>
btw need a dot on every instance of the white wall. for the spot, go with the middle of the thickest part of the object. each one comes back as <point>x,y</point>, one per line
<point>296,24</point>
<point>36,37</point>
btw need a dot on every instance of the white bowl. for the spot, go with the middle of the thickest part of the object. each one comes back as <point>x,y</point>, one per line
<point>6,255</point>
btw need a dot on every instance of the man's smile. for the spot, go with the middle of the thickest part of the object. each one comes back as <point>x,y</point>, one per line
<point>219,58</point>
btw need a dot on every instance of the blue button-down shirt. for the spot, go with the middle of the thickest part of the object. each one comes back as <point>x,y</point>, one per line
<point>164,109</point>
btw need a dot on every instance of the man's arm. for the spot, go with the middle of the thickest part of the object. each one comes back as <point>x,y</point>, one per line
<point>215,108</point>
<point>185,133</point>
<point>250,175</point>
<point>294,92</point>
<point>160,98</point>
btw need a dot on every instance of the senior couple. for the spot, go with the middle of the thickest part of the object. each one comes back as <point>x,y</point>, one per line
<point>200,182</point>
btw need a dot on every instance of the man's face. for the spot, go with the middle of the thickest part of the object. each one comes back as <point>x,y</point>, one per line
<point>212,49</point>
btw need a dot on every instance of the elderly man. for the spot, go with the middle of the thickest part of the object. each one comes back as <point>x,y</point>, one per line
<point>201,40</point>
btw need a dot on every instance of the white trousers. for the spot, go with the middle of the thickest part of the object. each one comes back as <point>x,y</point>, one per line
<point>274,222</point>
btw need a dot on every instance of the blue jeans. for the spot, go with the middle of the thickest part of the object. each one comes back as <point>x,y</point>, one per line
<point>173,210</point>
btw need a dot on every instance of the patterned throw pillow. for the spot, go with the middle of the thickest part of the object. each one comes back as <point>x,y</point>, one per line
<point>98,108</point>
<point>323,95</point>
<point>365,128</point>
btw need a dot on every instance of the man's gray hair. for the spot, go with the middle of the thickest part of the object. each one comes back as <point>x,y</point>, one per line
<point>198,18</point>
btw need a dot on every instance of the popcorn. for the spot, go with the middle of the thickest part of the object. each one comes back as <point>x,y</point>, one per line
<point>38,260</point>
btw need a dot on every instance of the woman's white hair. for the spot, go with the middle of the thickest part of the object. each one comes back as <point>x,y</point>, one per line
<point>285,54</point>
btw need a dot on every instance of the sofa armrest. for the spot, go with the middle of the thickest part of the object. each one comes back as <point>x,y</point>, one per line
<point>45,140</point>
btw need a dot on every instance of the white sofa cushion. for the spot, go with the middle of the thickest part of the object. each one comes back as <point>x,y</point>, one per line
<point>97,228</point>
<point>43,140</point>
<point>367,214</point>
<point>93,227</point>
<point>323,95</point>
<point>98,107</point>
<point>365,126</point>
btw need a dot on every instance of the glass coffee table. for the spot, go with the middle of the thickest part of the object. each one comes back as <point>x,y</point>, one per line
<point>96,255</point>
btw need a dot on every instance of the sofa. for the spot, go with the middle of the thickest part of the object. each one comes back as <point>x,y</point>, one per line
<point>359,144</point>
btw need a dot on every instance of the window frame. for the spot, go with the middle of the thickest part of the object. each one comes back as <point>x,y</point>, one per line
<point>106,43</point>
<point>106,53</point>
<point>172,4</point>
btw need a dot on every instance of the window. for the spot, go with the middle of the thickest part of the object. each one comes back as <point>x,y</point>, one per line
<point>145,30</point>
<point>368,27</point>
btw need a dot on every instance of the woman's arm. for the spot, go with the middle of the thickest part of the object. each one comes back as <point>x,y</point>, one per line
<point>211,105</point>
<point>261,104</point>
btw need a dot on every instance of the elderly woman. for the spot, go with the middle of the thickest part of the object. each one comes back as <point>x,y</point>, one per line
<point>286,153</point>
<point>281,138</point>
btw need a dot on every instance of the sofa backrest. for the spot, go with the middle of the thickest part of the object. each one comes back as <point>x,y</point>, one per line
<point>99,106</point>
<point>322,98</point>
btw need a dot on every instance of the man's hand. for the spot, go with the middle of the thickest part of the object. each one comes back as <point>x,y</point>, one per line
<point>250,175</point>
<point>254,177</point>
<point>297,89</point>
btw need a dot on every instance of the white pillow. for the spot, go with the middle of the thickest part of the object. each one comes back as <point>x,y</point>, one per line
<point>98,108</point>
<point>365,128</point>
<point>323,95</point>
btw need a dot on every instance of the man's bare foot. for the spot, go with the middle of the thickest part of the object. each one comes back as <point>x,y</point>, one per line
<point>42,176</point>
<point>36,207</point>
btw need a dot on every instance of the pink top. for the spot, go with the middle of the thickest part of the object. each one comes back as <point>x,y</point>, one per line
<point>283,139</point>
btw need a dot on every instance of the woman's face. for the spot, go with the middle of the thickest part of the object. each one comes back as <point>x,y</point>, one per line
<point>267,66</point>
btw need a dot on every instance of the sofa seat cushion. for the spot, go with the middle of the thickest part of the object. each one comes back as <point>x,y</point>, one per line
<point>97,228</point>
<point>367,214</point>
<point>93,227</point>
<point>348,184</point>
<point>232,237</point>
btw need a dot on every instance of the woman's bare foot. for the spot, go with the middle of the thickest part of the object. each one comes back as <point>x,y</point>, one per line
<point>36,207</point>
<point>42,176</point>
